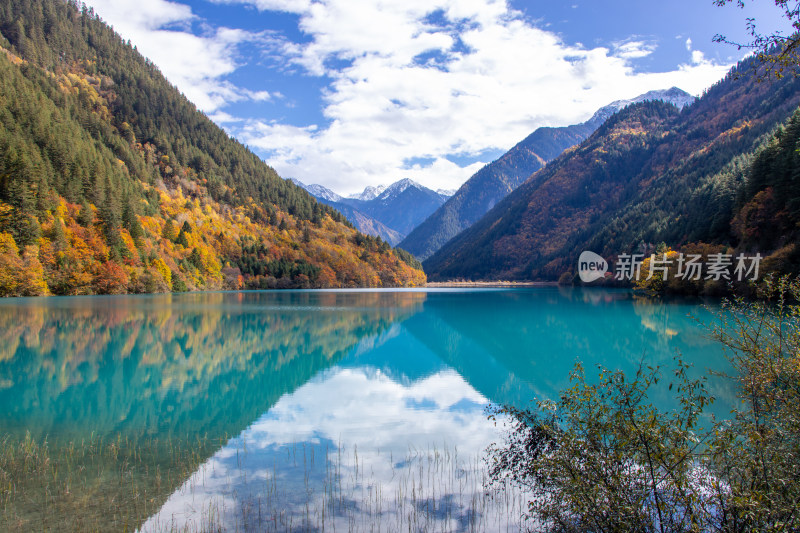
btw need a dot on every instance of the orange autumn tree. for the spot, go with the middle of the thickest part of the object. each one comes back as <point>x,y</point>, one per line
<point>20,275</point>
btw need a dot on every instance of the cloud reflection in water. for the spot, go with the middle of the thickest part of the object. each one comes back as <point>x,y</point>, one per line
<point>352,449</point>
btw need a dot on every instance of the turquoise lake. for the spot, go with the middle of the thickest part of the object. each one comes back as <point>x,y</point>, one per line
<point>332,408</point>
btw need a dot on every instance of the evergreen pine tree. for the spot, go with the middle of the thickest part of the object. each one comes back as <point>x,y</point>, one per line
<point>85,216</point>
<point>182,239</point>
<point>168,231</point>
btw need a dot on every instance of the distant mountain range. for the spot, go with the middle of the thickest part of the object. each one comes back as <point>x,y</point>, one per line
<point>387,212</point>
<point>494,181</point>
<point>720,175</point>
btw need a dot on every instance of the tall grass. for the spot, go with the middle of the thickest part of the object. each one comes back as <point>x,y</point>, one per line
<point>128,485</point>
<point>91,485</point>
<point>340,490</point>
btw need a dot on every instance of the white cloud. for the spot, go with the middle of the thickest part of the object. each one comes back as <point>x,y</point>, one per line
<point>698,58</point>
<point>634,49</point>
<point>432,78</point>
<point>196,64</point>
<point>408,79</point>
<point>221,117</point>
<point>149,14</point>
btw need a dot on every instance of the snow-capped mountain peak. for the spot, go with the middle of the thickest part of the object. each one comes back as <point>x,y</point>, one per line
<point>398,187</point>
<point>389,212</point>
<point>318,191</point>
<point>674,95</point>
<point>323,192</point>
<point>446,192</point>
<point>369,193</point>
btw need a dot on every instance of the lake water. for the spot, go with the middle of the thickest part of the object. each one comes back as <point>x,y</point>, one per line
<point>333,409</point>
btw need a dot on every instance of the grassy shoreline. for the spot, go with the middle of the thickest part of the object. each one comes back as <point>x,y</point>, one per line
<point>96,484</point>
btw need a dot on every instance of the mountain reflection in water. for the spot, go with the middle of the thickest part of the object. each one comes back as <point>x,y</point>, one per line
<point>365,405</point>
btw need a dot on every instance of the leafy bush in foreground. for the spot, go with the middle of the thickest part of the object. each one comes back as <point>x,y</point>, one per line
<point>601,458</point>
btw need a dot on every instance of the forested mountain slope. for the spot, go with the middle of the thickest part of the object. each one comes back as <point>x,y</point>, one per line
<point>112,181</point>
<point>650,174</point>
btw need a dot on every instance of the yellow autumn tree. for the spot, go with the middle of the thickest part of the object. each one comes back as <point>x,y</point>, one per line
<point>652,272</point>
<point>31,280</point>
<point>10,265</point>
<point>164,270</point>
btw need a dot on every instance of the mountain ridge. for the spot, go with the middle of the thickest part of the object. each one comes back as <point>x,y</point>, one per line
<point>369,193</point>
<point>401,206</point>
<point>388,212</point>
<point>636,181</point>
<point>494,181</point>
<point>363,222</point>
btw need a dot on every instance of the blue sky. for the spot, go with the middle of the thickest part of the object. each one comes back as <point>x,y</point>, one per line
<point>350,93</point>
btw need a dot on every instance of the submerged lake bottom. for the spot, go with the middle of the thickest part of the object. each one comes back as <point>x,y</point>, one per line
<point>357,410</point>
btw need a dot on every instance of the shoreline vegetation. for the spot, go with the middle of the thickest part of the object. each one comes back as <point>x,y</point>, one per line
<point>490,284</point>
<point>601,457</point>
